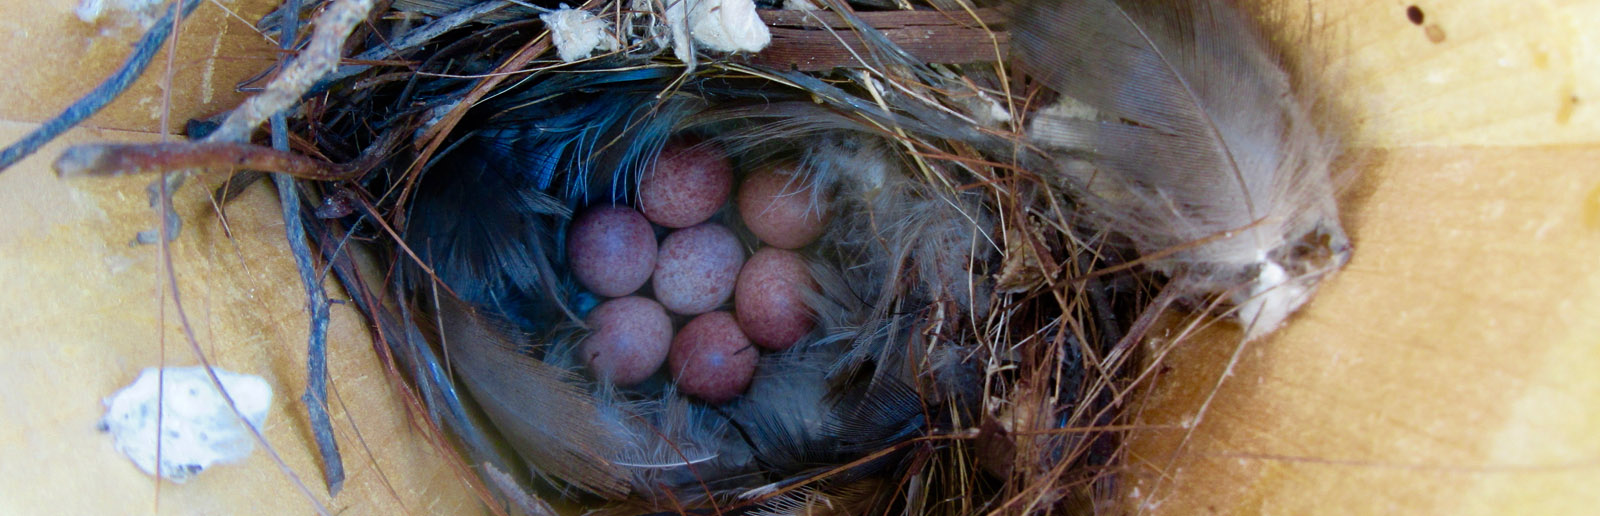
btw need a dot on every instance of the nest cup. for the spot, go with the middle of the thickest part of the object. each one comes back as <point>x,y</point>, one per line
<point>891,272</point>
<point>1420,379</point>
<point>951,263</point>
<point>946,345</point>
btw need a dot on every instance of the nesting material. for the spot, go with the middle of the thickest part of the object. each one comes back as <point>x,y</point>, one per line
<point>718,25</point>
<point>119,13</point>
<point>578,33</point>
<point>1204,155</point>
<point>871,337</point>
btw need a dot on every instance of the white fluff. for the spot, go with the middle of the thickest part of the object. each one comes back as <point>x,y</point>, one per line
<point>578,33</point>
<point>1067,108</point>
<point>198,428</point>
<point>718,25</point>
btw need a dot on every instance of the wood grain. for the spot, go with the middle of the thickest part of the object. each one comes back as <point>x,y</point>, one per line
<point>81,318</point>
<point>813,41</point>
<point>1449,368</point>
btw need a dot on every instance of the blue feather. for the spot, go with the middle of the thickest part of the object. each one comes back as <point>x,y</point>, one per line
<point>487,212</point>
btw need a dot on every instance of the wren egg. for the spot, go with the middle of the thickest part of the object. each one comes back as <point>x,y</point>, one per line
<point>629,340</point>
<point>711,359</point>
<point>612,250</point>
<point>686,186</point>
<point>696,268</point>
<point>769,298</point>
<point>778,207</point>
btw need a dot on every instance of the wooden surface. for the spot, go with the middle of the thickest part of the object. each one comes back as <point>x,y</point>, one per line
<point>1450,369</point>
<point>812,40</point>
<point>81,319</point>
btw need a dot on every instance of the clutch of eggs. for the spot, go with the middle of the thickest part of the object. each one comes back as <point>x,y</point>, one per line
<point>698,272</point>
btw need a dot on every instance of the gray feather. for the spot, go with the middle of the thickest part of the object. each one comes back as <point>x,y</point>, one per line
<point>1200,151</point>
<point>597,439</point>
<point>541,409</point>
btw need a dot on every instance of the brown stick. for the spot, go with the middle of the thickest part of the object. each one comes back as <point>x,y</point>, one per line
<point>115,159</point>
<point>319,58</point>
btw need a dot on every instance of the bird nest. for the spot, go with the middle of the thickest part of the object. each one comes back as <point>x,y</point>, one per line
<point>990,206</point>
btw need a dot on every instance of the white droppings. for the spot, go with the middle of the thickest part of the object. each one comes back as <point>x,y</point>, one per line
<point>209,73</point>
<point>1271,299</point>
<point>1494,210</point>
<point>198,429</point>
<point>1544,228</point>
<point>140,13</point>
<point>116,263</point>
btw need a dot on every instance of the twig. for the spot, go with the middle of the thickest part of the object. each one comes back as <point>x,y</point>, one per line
<point>143,52</point>
<point>316,395</point>
<point>115,159</point>
<point>318,59</point>
<point>416,38</point>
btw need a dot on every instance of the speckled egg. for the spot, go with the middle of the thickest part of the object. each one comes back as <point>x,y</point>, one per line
<point>711,359</point>
<point>629,340</point>
<point>687,185</point>
<point>612,250</point>
<point>769,298</point>
<point>696,268</point>
<point>779,207</point>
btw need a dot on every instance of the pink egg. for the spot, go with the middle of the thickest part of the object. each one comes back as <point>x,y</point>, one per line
<point>711,359</point>
<point>687,185</point>
<point>630,339</point>
<point>769,298</point>
<point>696,268</point>
<point>612,250</point>
<point>777,206</point>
